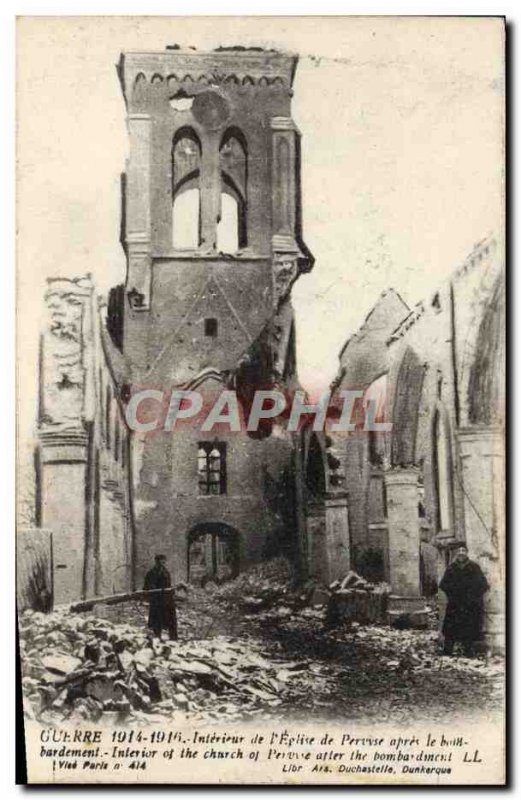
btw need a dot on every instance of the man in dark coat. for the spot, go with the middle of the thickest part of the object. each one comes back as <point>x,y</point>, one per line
<point>162,610</point>
<point>464,584</point>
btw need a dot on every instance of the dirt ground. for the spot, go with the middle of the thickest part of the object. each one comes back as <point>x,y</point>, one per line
<point>256,647</point>
<point>352,672</point>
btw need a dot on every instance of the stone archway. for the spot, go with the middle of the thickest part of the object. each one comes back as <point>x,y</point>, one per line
<point>213,553</point>
<point>482,359</point>
<point>485,398</point>
<point>403,483</point>
<point>407,398</point>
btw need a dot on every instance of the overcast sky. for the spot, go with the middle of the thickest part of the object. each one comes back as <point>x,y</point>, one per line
<point>402,173</point>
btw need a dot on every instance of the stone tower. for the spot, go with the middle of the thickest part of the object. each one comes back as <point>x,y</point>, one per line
<point>212,235</point>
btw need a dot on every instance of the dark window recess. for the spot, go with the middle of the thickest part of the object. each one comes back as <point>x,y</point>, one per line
<point>211,467</point>
<point>210,326</point>
<point>115,315</point>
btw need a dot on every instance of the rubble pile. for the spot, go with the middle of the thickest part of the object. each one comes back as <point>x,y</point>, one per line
<point>268,591</point>
<point>82,667</point>
<point>259,587</point>
<point>355,599</point>
<point>239,658</point>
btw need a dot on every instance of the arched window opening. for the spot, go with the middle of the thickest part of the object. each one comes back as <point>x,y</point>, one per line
<point>228,225</point>
<point>185,220</point>
<point>442,473</point>
<point>375,405</point>
<point>186,201</point>
<point>232,223</point>
<point>408,393</point>
<point>211,467</point>
<point>486,387</point>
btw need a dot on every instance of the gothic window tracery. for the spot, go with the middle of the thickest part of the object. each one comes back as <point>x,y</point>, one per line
<point>233,168</point>
<point>186,193</point>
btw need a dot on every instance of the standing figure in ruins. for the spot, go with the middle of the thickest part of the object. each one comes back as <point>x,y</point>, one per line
<point>162,611</point>
<point>464,584</point>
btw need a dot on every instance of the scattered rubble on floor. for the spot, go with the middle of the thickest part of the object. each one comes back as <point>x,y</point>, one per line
<point>255,647</point>
<point>82,667</point>
<point>353,599</point>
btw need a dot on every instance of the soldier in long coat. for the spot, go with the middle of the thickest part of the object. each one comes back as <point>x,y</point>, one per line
<point>162,611</point>
<point>464,584</point>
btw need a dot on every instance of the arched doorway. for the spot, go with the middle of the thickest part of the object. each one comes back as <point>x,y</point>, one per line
<point>213,553</point>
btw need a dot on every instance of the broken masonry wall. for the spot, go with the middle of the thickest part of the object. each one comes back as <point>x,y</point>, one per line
<point>168,506</point>
<point>445,464</point>
<point>81,444</point>
<point>113,530</point>
<point>322,519</point>
<point>363,359</point>
<point>201,319</point>
<point>34,574</point>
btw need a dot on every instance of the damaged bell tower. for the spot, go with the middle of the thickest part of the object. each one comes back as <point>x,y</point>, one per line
<point>212,235</point>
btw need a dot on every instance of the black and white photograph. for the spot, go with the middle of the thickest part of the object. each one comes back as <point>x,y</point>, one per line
<point>261,302</point>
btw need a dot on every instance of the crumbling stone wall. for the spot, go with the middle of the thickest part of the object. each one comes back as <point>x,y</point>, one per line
<point>82,470</point>
<point>443,462</point>
<point>34,575</point>
<point>199,319</point>
<point>363,359</point>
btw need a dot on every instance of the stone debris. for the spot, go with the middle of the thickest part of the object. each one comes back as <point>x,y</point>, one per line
<point>351,581</point>
<point>268,592</point>
<point>354,599</point>
<point>279,660</point>
<point>80,667</point>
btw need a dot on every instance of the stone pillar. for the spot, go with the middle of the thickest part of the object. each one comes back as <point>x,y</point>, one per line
<point>482,460</point>
<point>283,177</point>
<point>404,542</point>
<point>316,535</point>
<point>404,531</point>
<point>337,537</point>
<point>328,539</point>
<point>64,509</point>
<point>210,198</point>
<point>138,198</point>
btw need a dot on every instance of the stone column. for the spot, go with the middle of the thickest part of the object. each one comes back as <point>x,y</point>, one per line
<point>210,191</point>
<point>283,177</point>
<point>64,509</point>
<point>137,233</point>
<point>404,540</point>
<point>288,259</point>
<point>337,537</point>
<point>482,460</point>
<point>316,536</point>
